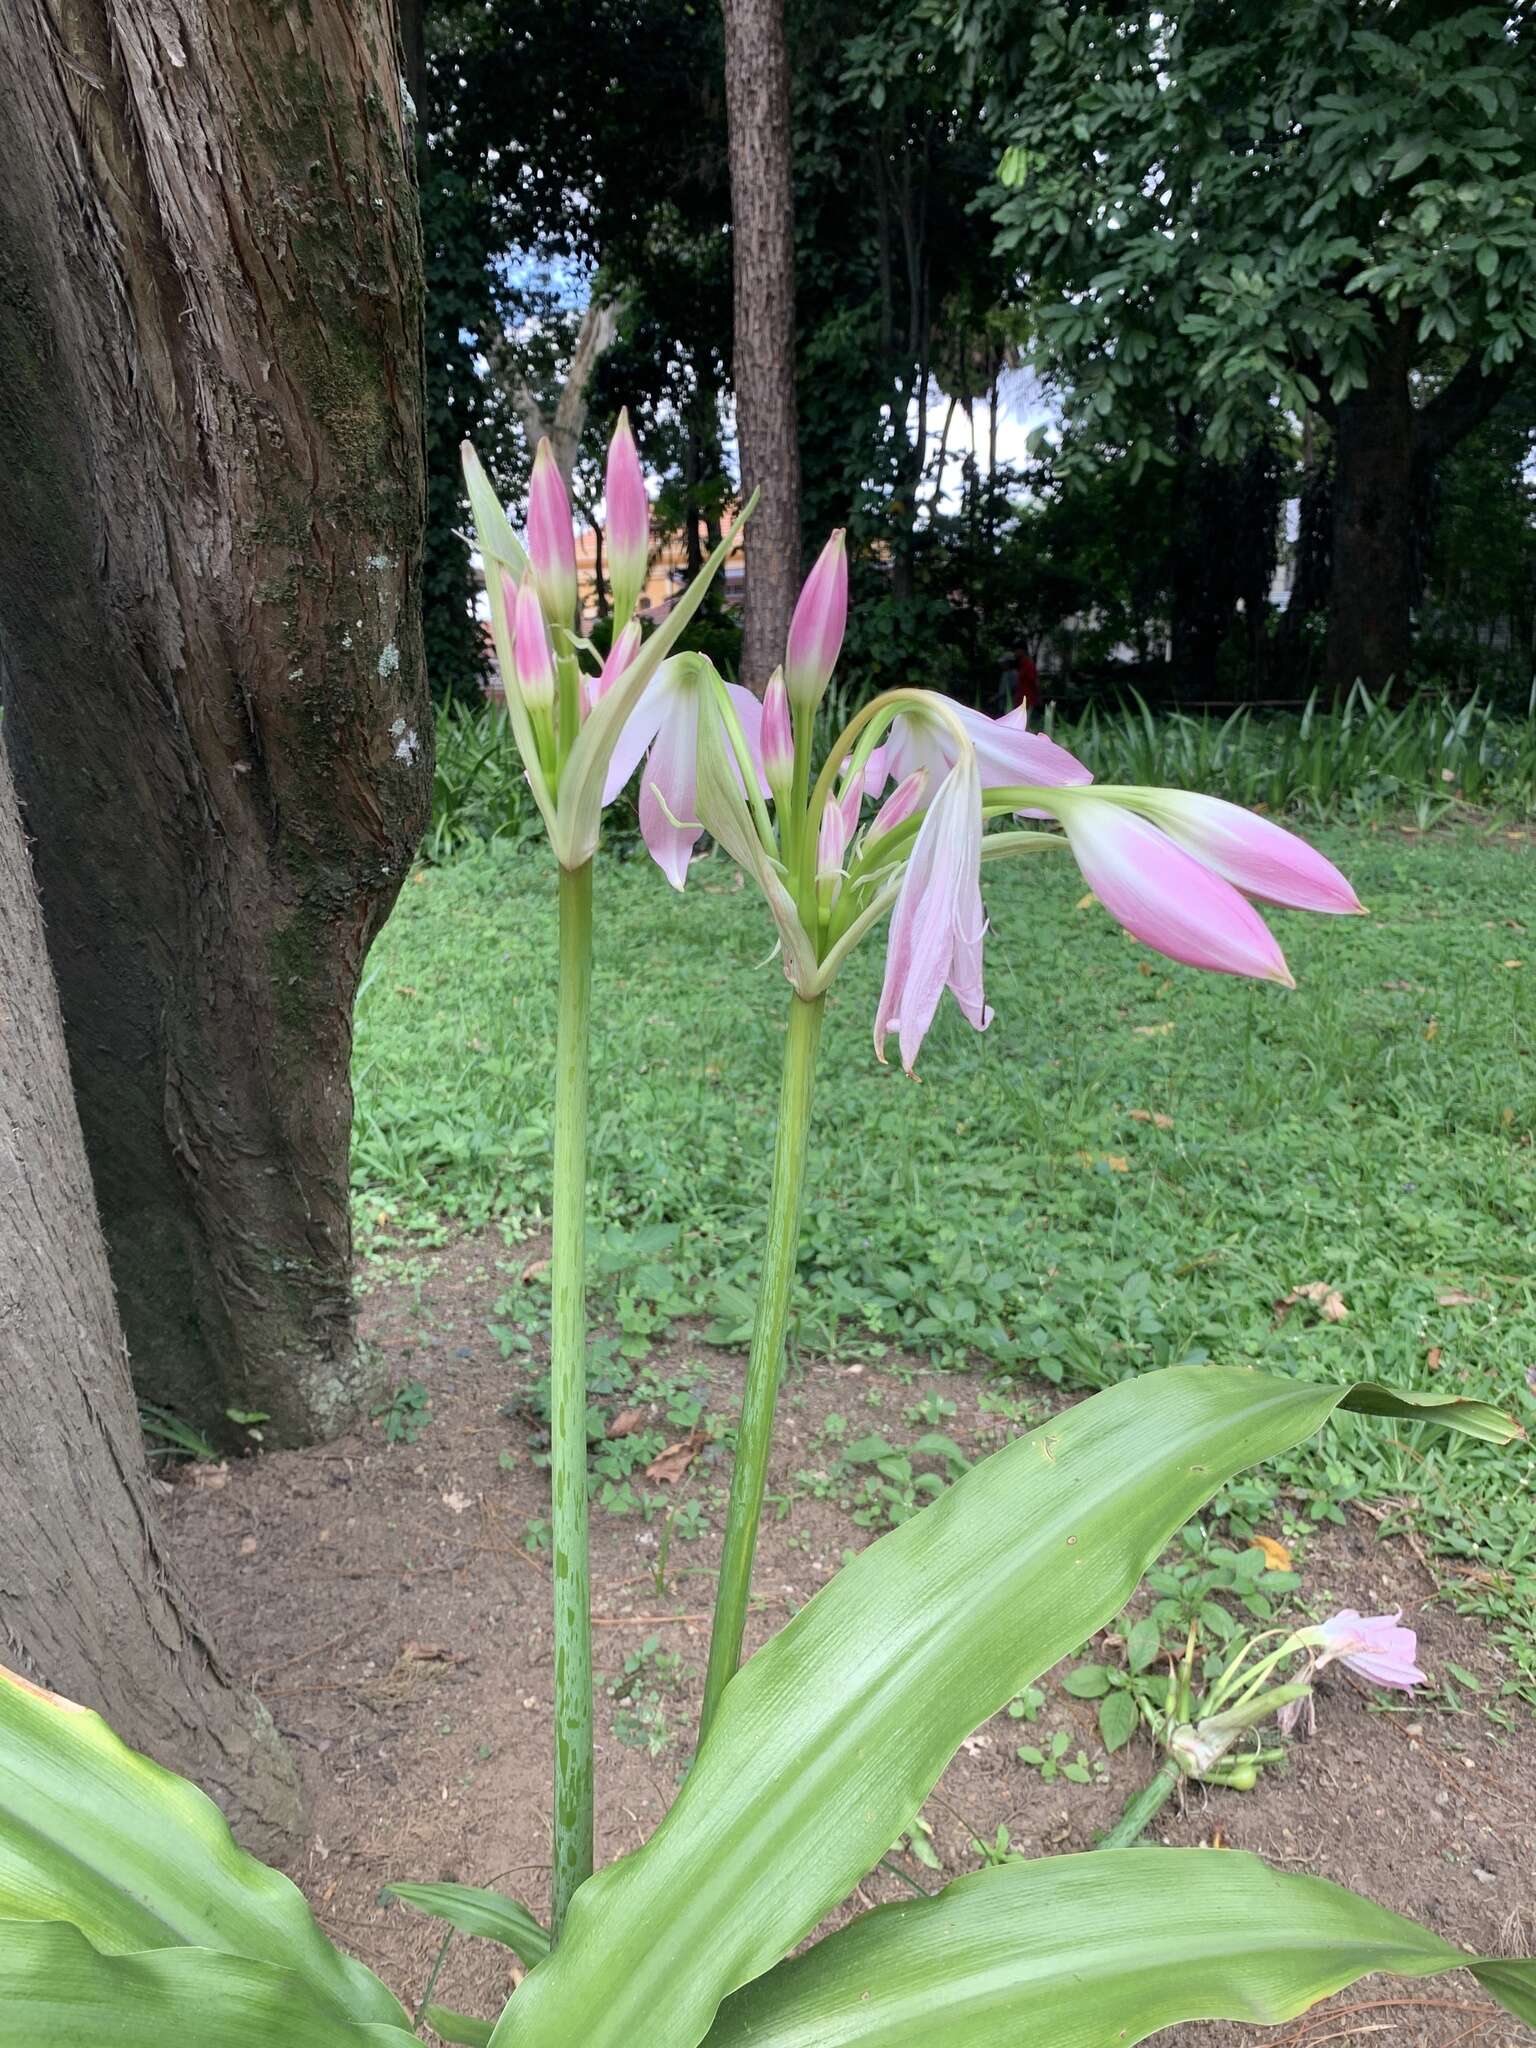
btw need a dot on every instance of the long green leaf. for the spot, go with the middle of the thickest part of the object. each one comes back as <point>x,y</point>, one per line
<point>462,2028</point>
<point>1077,1951</point>
<point>92,1833</point>
<point>56,1991</point>
<point>474,1911</point>
<point>830,1738</point>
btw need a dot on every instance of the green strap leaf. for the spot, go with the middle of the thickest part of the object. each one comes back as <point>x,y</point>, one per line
<point>462,2028</point>
<point>831,1737</point>
<point>473,1911</point>
<point>1077,1951</point>
<point>56,1991</point>
<point>135,1857</point>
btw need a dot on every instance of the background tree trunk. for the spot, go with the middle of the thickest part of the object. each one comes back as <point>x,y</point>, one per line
<point>89,1606</point>
<point>1371,594</point>
<point>763,355</point>
<point>210,302</point>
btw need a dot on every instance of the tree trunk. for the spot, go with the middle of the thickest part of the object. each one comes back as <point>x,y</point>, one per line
<point>1371,593</point>
<point>763,256</point>
<point>89,1605</point>
<point>210,649</point>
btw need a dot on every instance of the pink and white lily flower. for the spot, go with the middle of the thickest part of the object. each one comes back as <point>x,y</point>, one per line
<point>937,924</point>
<point>1007,753</point>
<point>664,727</point>
<point>1374,1646</point>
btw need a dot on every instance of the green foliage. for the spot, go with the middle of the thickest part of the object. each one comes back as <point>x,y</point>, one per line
<point>1319,174</point>
<point>1069,1949</point>
<point>828,1740</point>
<point>472,1910</point>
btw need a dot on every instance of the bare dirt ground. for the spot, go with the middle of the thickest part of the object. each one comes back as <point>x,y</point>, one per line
<point>383,1599</point>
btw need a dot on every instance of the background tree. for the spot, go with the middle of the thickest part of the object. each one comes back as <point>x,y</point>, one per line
<point>90,1605</point>
<point>763,345</point>
<point>210,650</point>
<point>1318,206</point>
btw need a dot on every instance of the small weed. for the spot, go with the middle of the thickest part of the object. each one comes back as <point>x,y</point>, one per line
<point>405,1414</point>
<point>1053,1762</point>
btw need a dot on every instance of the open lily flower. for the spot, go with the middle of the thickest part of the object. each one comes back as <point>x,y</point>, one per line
<point>1375,1646</point>
<point>1007,753</point>
<point>938,923</point>
<point>1164,896</point>
<point>664,727</point>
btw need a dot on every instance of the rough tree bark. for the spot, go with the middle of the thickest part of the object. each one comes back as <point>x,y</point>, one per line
<point>89,1605</point>
<point>1385,449</point>
<point>763,355</point>
<point>210,539</point>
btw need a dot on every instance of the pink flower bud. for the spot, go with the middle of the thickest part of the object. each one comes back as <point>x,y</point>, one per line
<point>551,542</point>
<point>900,804</point>
<point>816,630</point>
<point>623,651</point>
<point>778,734</point>
<point>530,645</point>
<point>629,521</point>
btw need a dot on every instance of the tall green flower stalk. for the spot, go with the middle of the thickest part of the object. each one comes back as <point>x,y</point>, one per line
<point>568,1400</point>
<point>754,1435</point>
<point>570,729</point>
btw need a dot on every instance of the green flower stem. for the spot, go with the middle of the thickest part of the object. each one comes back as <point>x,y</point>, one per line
<point>1143,1809</point>
<point>568,1401</point>
<point>765,1364</point>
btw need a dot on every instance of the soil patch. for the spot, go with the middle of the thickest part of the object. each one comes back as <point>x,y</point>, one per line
<point>383,1598</point>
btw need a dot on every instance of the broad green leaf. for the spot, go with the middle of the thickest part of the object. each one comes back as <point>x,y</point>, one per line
<point>1118,1720</point>
<point>1086,1682</point>
<point>1143,1643</point>
<point>136,1858</point>
<point>462,2028</point>
<point>829,1740</point>
<point>56,1991</point>
<point>1078,1951</point>
<point>474,1911</point>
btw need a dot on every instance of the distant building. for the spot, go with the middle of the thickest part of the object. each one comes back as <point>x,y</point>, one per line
<point>667,577</point>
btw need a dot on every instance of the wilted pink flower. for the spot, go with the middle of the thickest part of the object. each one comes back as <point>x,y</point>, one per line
<point>1373,1646</point>
<point>816,630</point>
<point>1007,753</point>
<point>665,728</point>
<point>551,542</point>
<point>778,734</point>
<point>1164,897</point>
<point>629,520</point>
<point>1258,857</point>
<point>530,645</point>
<point>938,924</point>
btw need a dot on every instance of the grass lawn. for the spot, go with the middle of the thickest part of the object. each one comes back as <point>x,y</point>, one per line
<point>1131,1169</point>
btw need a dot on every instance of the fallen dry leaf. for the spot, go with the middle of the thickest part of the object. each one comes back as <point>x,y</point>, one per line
<point>1511,963</point>
<point>1151,1116</point>
<point>1276,1556</point>
<point>1455,1297</point>
<point>457,1502</point>
<point>1432,1357</point>
<point>1327,1300</point>
<point>1152,1030</point>
<point>668,1466</point>
<point>431,1653</point>
<point>247,1546</point>
<point>628,1422</point>
<point>207,1478</point>
<point>1086,902</point>
<point>532,1270</point>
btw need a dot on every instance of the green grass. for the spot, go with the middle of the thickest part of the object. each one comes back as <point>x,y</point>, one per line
<point>1362,761</point>
<point>1372,1130</point>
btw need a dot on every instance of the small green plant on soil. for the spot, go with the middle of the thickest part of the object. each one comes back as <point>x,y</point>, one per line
<point>406,1413</point>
